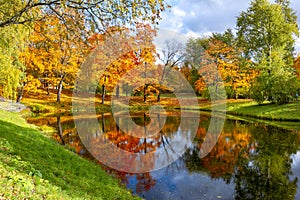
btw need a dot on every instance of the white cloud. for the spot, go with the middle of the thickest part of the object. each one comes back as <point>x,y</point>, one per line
<point>199,17</point>
<point>192,34</point>
<point>207,34</point>
<point>297,45</point>
<point>165,34</point>
<point>178,12</point>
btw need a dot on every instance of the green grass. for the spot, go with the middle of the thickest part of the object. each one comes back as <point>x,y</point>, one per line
<point>33,166</point>
<point>286,112</point>
<point>267,111</point>
<point>42,103</point>
<point>282,124</point>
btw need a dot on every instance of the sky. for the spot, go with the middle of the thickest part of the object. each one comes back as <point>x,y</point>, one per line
<point>195,18</point>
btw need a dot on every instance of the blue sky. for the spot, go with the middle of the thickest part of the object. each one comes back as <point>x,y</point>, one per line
<point>194,18</point>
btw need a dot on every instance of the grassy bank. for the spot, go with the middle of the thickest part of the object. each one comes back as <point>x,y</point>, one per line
<point>267,111</point>
<point>33,166</point>
<point>287,112</point>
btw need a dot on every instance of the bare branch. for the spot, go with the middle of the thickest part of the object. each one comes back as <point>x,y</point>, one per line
<point>172,56</point>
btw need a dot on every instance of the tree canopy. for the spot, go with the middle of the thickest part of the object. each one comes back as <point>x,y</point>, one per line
<point>98,14</point>
<point>266,34</point>
<point>54,26</point>
<point>266,26</point>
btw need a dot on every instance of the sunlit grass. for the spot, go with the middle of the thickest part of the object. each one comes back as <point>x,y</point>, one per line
<point>33,166</point>
<point>40,102</point>
<point>286,112</point>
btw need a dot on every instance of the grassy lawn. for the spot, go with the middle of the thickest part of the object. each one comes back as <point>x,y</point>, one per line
<point>43,103</point>
<point>33,166</point>
<point>286,112</point>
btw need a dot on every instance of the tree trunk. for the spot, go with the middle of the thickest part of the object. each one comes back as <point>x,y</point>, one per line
<point>117,123</point>
<point>20,93</point>
<point>118,92</point>
<point>60,85</point>
<point>145,133</point>
<point>145,86</point>
<point>217,90</point>
<point>158,96</point>
<point>103,123</point>
<point>46,85</point>
<point>145,96</point>
<point>103,94</point>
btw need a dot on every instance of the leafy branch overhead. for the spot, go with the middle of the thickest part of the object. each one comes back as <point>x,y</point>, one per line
<point>98,14</point>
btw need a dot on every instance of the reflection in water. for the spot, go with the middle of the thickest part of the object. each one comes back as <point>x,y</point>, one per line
<point>122,149</point>
<point>264,173</point>
<point>249,161</point>
<point>59,131</point>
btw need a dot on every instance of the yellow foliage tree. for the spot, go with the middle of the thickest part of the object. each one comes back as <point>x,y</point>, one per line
<point>53,56</point>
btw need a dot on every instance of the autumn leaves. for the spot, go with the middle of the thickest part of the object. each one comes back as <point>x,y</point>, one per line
<point>48,39</point>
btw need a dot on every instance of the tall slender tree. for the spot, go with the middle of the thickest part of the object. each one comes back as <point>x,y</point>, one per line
<point>172,56</point>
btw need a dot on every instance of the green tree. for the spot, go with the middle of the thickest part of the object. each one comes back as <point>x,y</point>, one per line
<point>276,81</point>
<point>264,27</point>
<point>266,34</point>
<point>12,41</point>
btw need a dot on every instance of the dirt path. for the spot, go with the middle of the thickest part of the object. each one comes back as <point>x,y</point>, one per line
<point>11,106</point>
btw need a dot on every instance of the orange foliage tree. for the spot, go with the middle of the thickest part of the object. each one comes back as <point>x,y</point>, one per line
<point>297,66</point>
<point>220,64</point>
<point>145,51</point>
<point>133,50</point>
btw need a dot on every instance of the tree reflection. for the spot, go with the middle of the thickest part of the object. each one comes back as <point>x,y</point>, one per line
<point>256,158</point>
<point>59,130</point>
<point>144,145</point>
<point>264,174</point>
<point>68,136</point>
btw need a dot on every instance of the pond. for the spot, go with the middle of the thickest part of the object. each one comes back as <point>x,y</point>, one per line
<point>249,161</point>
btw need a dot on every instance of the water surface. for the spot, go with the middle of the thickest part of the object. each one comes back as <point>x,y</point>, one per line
<point>249,161</point>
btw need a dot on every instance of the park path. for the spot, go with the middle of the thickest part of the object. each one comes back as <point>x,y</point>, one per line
<point>9,105</point>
